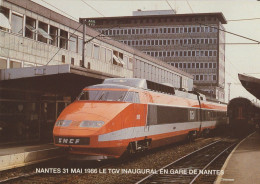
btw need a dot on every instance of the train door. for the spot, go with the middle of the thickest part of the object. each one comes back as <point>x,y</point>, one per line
<point>147,98</point>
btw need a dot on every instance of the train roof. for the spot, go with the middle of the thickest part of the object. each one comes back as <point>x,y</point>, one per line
<point>149,85</point>
<point>239,100</point>
<point>128,83</point>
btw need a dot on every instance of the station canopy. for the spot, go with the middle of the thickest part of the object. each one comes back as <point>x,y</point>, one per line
<point>63,79</point>
<point>251,84</point>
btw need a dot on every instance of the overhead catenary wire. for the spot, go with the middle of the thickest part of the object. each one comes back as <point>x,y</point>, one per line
<point>73,32</point>
<point>60,10</point>
<point>229,32</point>
<point>258,42</point>
<point>170,5</point>
<point>93,8</point>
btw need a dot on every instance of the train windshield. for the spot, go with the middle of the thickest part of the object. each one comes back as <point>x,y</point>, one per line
<point>102,95</point>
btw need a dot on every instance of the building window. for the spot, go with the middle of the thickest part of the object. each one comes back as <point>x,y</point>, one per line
<point>197,65</point>
<point>96,52</point>
<point>188,65</point>
<point>214,77</point>
<point>73,44</point>
<point>197,77</point>
<point>206,65</point>
<point>17,24</point>
<point>54,36</point>
<point>42,32</point>
<point>201,77</point>
<point>201,65</point>
<point>72,61</point>
<point>108,56</point>
<point>130,63</point>
<point>15,64</point>
<point>63,58</point>
<point>3,63</point>
<point>214,65</point>
<point>80,42</point>
<point>193,65</point>
<point>89,47</point>
<point>30,28</point>
<point>103,54</point>
<point>63,39</point>
<point>5,22</point>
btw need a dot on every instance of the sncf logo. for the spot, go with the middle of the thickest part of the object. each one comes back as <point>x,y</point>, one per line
<point>68,141</point>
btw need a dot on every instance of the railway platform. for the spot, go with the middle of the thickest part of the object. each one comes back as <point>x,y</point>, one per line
<point>243,164</point>
<point>18,156</point>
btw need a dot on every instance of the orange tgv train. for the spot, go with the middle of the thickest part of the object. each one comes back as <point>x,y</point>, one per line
<point>129,115</point>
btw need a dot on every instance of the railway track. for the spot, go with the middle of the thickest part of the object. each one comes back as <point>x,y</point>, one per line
<point>146,160</point>
<point>190,167</point>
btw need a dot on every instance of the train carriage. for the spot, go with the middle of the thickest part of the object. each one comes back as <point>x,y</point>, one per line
<point>243,115</point>
<point>132,115</point>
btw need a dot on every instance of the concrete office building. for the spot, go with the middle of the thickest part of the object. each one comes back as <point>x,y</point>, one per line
<point>193,43</point>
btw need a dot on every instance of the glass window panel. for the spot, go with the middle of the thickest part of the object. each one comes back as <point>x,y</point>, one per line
<point>30,28</point>
<point>102,95</point>
<point>63,39</point>
<point>96,52</point>
<point>44,27</point>
<point>4,24</point>
<point>17,24</point>
<point>54,36</point>
<point>80,42</point>
<point>3,63</point>
<point>103,54</point>
<point>73,43</point>
<point>14,64</point>
<point>89,47</point>
<point>108,56</point>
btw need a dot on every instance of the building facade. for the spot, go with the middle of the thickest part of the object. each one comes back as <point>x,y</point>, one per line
<point>193,43</point>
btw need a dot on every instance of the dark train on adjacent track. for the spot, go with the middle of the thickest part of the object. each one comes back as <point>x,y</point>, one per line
<point>244,116</point>
<point>128,115</point>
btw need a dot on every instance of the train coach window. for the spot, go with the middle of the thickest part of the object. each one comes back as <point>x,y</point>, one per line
<point>102,95</point>
<point>129,97</point>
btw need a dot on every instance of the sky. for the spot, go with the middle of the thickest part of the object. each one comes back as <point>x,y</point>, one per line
<point>240,58</point>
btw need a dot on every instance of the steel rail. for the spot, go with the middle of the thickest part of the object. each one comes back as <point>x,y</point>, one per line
<point>194,179</point>
<point>178,160</point>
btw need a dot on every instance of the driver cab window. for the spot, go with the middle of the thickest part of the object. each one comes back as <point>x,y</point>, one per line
<point>132,97</point>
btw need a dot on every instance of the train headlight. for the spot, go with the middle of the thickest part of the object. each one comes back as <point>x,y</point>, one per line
<point>63,123</point>
<point>92,124</point>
